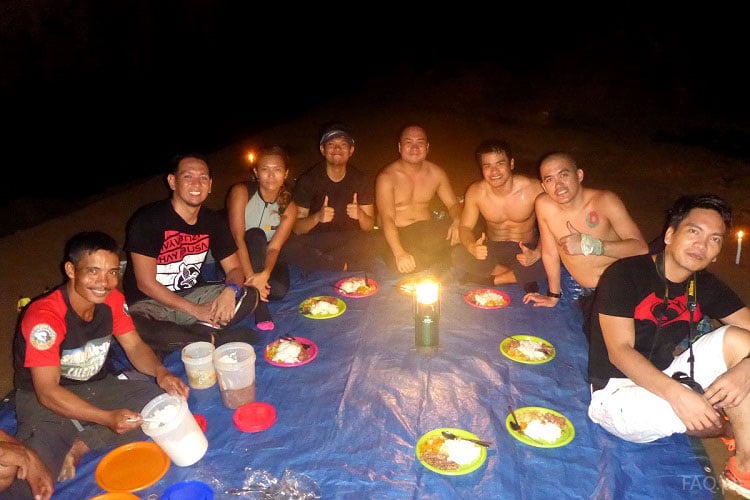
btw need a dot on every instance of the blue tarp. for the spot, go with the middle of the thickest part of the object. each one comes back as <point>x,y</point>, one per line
<point>350,419</point>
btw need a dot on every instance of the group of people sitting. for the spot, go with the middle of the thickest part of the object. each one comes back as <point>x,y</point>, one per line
<point>638,306</point>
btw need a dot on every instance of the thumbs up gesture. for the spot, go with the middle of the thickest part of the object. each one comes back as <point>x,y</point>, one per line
<point>479,249</point>
<point>326,213</point>
<point>352,209</point>
<point>527,256</point>
<point>571,243</point>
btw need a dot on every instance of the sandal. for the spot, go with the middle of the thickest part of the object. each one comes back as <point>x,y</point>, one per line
<point>734,480</point>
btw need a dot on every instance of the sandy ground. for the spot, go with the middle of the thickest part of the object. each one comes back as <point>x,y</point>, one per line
<point>648,175</point>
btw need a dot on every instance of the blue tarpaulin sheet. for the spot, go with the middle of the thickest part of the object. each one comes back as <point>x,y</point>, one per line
<point>351,418</point>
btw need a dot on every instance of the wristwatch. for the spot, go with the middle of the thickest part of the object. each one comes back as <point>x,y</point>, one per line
<point>554,295</point>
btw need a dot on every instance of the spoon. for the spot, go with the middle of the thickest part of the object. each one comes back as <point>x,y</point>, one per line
<point>150,420</point>
<point>293,338</point>
<point>514,423</point>
<point>450,435</point>
<point>517,427</point>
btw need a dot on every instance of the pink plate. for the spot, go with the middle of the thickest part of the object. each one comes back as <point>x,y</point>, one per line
<point>370,283</point>
<point>469,298</point>
<point>312,350</point>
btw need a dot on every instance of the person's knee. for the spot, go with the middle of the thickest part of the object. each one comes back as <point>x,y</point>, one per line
<point>7,476</point>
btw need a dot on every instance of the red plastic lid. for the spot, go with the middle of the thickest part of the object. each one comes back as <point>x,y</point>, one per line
<point>201,420</point>
<point>254,417</point>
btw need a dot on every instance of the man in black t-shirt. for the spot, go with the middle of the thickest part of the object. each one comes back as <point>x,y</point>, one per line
<point>167,243</point>
<point>335,209</point>
<point>645,307</point>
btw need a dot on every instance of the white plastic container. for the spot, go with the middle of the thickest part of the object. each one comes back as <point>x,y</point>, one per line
<point>235,370</point>
<point>175,429</point>
<point>198,358</point>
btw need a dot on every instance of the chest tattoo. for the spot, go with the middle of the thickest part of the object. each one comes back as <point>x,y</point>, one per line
<point>592,219</point>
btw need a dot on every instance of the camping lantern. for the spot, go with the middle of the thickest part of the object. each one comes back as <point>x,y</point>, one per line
<point>427,314</point>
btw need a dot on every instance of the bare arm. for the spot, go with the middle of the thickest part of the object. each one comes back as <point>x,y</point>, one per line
<point>306,221</point>
<point>237,199</point>
<point>469,218</point>
<point>448,197</point>
<point>628,241</point>
<point>144,268</point>
<point>385,201</point>
<point>550,259</point>
<point>260,279</point>
<point>692,408</point>
<point>145,361</point>
<point>740,318</point>
<point>18,460</point>
<point>61,401</point>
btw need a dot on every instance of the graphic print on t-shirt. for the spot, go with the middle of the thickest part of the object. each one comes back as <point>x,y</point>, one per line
<point>652,308</point>
<point>180,259</point>
<point>82,363</point>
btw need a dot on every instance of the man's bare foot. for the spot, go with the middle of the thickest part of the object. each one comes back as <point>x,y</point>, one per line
<point>68,470</point>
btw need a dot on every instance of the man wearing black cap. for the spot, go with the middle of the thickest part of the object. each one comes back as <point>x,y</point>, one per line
<point>336,211</point>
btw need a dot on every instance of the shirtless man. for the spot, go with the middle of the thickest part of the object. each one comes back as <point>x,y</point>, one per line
<point>403,192</point>
<point>506,202</point>
<point>586,229</point>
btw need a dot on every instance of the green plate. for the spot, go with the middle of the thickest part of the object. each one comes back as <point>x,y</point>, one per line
<point>308,302</point>
<point>505,344</point>
<point>464,469</point>
<point>565,438</point>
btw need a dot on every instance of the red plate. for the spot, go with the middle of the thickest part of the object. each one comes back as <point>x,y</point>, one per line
<point>370,283</point>
<point>254,417</point>
<point>469,298</point>
<point>312,351</point>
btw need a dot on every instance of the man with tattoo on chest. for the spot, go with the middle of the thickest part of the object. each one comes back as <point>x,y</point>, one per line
<point>585,229</point>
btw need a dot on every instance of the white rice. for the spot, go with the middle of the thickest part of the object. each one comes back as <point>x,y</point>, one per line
<point>460,451</point>
<point>543,431</point>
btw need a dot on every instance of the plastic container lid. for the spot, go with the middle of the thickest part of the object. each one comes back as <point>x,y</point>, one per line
<point>254,417</point>
<point>202,422</point>
<point>188,490</point>
<point>115,495</point>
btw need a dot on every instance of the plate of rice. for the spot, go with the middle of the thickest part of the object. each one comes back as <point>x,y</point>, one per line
<point>408,286</point>
<point>541,427</point>
<point>527,349</point>
<point>322,307</point>
<point>287,352</point>
<point>487,298</point>
<point>356,287</point>
<point>451,457</point>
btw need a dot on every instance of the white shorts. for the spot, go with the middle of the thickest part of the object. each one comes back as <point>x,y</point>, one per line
<point>635,414</point>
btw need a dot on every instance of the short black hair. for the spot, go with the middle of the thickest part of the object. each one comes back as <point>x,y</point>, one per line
<point>686,203</point>
<point>86,243</point>
<point>492,146</point>
<point>174,163</point>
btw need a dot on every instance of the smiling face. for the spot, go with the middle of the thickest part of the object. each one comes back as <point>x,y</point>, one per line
<point>413,145</point>
<point>561,179</point>
<point>192,181</point>
<point>496,168</point>
<point>337,151</point>
<point>694,244</point>
<point>95,275</point>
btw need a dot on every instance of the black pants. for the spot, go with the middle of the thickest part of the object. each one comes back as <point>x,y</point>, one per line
<point>257,246</point>
<point>331,250</point>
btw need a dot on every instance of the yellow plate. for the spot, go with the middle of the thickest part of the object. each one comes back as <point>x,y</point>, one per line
<point>340,304</point>
<point>505,345</point>
<point>463,469</point>
<point>567,435</point>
